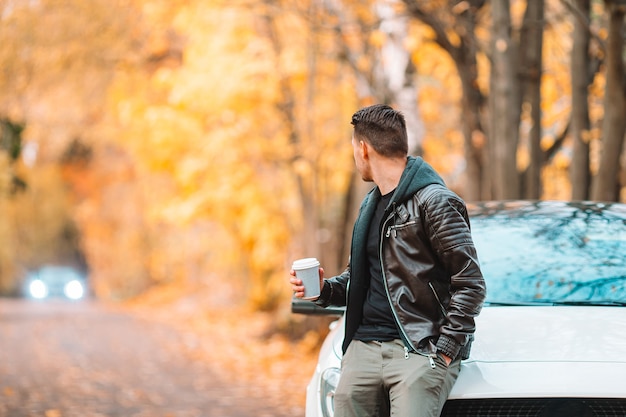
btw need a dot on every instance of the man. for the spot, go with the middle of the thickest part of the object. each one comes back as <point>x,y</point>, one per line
<point>413,285</point>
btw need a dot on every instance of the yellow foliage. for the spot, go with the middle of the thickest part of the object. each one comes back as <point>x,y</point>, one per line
<point>546,142</point>
<point>377,38</point>
<point>523,158</point>
<point>555,180</point>
<point>454,38</point>
<point>596,95</point>
<point>561,161</point>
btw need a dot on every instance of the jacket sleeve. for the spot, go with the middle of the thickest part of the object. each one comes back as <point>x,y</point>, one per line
<point>449,230</point>
<point>334,290</point>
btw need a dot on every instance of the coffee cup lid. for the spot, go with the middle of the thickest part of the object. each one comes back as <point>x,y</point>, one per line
<point>305,263</point>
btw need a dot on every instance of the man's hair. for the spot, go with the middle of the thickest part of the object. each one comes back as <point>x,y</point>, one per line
<point>382,127</point>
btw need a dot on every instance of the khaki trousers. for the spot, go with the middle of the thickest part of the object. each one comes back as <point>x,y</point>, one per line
<point>378,380</point>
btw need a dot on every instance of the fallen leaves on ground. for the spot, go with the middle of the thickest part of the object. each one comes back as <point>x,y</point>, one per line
<point>241,345</point>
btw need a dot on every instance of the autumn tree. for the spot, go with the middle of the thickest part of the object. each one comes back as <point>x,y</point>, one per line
<point>372,39</point>
<point>57,59</point>
<point>307,121</point>
<point>453,26</point>
<point>521,94</point>
<point>236,145</point>
<point>515,57</point>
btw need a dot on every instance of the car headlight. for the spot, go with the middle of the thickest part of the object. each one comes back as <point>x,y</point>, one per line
<point>74,290</point>
<point>328,385</point>
<point>38,289</point>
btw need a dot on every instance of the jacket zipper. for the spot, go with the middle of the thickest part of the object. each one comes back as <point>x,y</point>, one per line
<point>443,310</point>
<point>394,228</point>
<point>408,345</point>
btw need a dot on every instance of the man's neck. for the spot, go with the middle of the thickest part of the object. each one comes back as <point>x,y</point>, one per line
<point>387,173</point>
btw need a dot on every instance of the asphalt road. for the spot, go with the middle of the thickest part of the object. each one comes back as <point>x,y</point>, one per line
<point>86,360</point>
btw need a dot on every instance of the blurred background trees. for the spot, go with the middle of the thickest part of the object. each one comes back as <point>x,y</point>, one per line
<point>206,143</point>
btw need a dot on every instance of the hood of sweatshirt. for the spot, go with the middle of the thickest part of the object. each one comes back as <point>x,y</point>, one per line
<point>417,175</point>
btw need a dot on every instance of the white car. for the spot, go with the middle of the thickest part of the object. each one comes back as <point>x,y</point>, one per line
<point>55,282</point>
<point>551,338</point>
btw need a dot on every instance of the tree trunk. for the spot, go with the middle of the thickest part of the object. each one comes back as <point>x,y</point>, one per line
<point>531,44</point>
<point>504,105</point>
<point>606,186</point>
<point>580,174</point>
<point>472,103</point>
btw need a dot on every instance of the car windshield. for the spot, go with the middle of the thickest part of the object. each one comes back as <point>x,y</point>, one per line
<point>577,259</point>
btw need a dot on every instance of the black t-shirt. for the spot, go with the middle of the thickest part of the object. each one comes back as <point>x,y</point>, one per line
<point>378,322</point>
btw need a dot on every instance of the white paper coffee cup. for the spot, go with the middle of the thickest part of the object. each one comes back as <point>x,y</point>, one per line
<point>307,270</point>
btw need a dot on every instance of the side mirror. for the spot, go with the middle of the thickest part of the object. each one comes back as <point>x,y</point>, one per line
<point>299,306</point>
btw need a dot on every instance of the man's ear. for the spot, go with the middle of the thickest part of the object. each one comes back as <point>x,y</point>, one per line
<point>365,149</point>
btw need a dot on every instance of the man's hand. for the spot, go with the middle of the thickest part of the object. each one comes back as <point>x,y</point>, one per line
<point>296,284</point>
<point>446,358</point>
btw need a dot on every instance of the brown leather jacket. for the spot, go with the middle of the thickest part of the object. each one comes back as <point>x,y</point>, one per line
<point>429,263</point>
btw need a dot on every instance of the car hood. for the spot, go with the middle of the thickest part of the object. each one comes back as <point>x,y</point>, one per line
<point>530,352</point>
<point>546,351</point>
<point>542,334</point>
<point>553,334</point>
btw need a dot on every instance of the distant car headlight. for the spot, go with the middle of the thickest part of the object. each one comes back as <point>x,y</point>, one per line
<point>74,290</point>
<point>38,289</point>
<point>328,385</point>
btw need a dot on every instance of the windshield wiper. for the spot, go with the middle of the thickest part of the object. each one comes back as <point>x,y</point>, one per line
<point>610,303</point>
<point>510,303</point>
